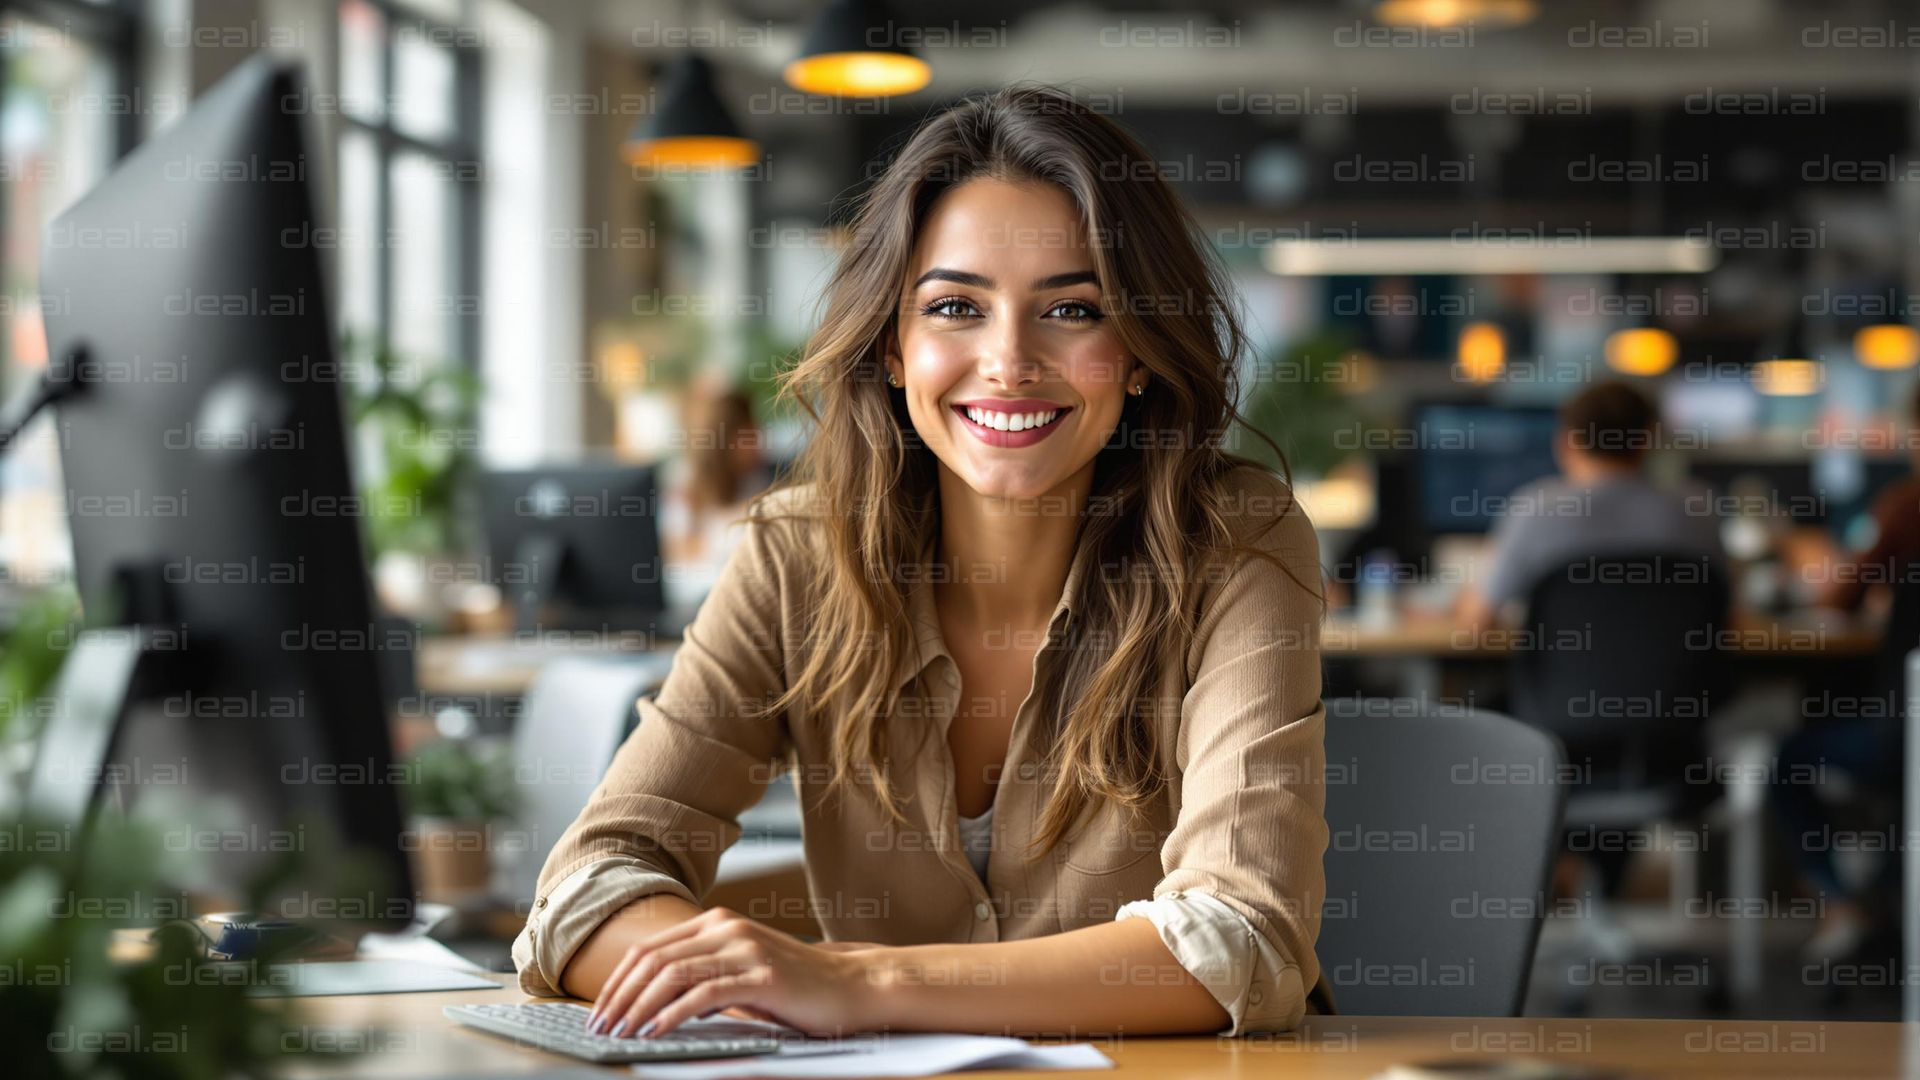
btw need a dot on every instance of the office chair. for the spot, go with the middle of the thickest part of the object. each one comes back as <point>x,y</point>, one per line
<point>1624,665</point>
<point>573,719</point>
<point>576,714</point>
<point>1415,924</point>
<point>1620,645</point>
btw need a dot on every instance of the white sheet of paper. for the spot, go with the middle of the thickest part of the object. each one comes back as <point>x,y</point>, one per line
<point>884,1055</point>
<point>414,949</point>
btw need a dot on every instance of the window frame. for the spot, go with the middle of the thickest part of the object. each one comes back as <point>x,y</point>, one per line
<point>113,29</point>
<point>459,154</point>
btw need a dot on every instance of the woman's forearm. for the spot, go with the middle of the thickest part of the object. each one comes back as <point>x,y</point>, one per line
<point>601,952</point>
<point>1114,978</point>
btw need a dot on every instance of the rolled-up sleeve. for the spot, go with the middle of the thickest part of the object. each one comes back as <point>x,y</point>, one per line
<point>703,752</point>
<point>1251,830</point>
<point>1221,949</point>
<point>571,911</point>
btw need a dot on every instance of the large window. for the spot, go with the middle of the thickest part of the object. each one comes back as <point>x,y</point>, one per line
<point>66,70</point>
<point>409,173</point>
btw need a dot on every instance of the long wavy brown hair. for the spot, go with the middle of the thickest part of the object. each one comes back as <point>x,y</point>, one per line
<point>1158,500</point>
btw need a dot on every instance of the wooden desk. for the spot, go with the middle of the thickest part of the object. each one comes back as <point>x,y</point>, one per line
<point>407,1037</point>
<point>1747,636</point>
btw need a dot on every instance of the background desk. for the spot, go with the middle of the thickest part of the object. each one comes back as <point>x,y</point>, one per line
<point>1746,636</point>
<point>416,1041</point>
<point>457,665</point>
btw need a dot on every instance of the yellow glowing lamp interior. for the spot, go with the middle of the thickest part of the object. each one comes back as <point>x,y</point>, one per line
<point>1483,351</point>
<point>1444,13</point>
<point>1887,347</point>
<point>712,151</point>
<point>1644,351</point>
<point>1788,378</point>
<point>871,74</point>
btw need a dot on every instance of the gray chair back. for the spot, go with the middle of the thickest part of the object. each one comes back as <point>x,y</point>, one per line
<point>572,720</point>
<point>1444,825</point>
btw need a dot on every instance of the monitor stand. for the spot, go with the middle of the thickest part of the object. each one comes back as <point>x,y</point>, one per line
<point>105,673</point>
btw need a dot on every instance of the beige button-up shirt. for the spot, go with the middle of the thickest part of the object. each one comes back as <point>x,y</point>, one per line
<point>1227,862</point>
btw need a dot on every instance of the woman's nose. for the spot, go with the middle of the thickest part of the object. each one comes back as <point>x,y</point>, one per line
<point>1004,359</point>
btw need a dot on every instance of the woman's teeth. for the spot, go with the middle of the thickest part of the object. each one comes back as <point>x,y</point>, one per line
<point>1011,421</point>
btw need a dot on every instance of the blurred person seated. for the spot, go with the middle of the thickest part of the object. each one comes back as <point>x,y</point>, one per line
<point>1869,748</point>
<point>1601,504</point>
<point>704,493</point>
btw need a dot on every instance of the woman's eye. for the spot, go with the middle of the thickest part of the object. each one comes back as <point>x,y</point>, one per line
<point>1077,311</point>
<point>945,308</point>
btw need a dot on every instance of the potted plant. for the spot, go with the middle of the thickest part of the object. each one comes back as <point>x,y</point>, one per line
<point>416,424</point>
<point>456,790</point>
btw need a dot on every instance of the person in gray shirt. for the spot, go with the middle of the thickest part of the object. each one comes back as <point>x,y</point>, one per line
<point>1601,504</point>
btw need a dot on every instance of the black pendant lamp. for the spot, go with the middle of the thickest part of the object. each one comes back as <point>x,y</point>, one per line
<point>692,126</point>
<point>853,49</point>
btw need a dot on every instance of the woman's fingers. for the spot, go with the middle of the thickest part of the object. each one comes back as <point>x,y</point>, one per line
<point>671,982</point>
<point>599,1017</point>
<point>710,995</point>
<point>618,997</point>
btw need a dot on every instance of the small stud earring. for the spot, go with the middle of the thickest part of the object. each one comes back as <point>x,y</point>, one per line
<point>1137,390</point>
<point>892,379</point>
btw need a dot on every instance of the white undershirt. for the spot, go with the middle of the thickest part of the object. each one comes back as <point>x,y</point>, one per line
<point>976,839</point>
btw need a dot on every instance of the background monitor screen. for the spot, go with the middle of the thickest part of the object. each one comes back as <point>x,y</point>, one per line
<point>1473,457</point>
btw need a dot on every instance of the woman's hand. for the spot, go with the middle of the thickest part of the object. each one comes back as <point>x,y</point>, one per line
<point>724,960</point>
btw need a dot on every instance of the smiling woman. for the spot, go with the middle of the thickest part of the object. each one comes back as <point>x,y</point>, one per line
<point>1114,686</point>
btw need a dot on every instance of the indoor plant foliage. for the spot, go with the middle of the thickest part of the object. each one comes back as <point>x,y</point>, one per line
<point>418,420</point>
<point>72,1010</point>
<point>1304,399</point>
<point>456,789</point>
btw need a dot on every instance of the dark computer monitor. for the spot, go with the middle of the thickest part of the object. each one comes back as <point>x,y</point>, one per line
<point>578,546</point>
<point>1783,486</point>
<point>216,530</point>
<point>1807,490</point>
<point>1473,457</point>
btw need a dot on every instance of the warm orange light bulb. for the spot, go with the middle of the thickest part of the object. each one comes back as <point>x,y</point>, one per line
<point>1888,347</point>
<point>1788,378</point>
<point>864,74</point>
<point>1483,352</point>
<point>1438,14</point>
<point>709,151</point>
<point>1642,351</point>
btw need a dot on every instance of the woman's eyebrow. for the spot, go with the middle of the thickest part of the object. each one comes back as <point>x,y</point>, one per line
<point>981,281</point>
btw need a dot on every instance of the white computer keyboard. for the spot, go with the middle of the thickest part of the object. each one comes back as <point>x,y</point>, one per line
<point>561,1027</point>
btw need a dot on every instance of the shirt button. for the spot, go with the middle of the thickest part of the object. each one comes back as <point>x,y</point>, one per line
<point>542,902</point>
<point>1175,895</point>
<point>983,910</point>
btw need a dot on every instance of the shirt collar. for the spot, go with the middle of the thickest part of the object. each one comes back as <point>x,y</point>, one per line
<point>930,644</point>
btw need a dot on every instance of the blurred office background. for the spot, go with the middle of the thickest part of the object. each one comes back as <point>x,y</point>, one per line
<point>1444,219</point>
